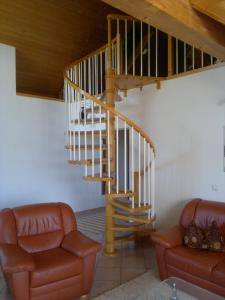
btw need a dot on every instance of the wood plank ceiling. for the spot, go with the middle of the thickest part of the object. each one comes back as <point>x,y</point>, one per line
<point>214,9</point>
<point>48,35</point>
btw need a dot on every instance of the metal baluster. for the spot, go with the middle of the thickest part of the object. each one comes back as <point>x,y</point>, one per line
<point>185,59</point>
<point>108,133</point>
<point>132,163</point>
<point>85,119</point>
<point>141,49</point>
<point>101,72</point>
<point>156,52</point>
<point>125,47</point>
<point>176,56</point>
<point>125,157</point>
<point>100,139</point>
<point>139,169</point>
<point>144,185</point>
<point>133,48</point>
<point>118,47</point>
<point>79,112</point>
<point>70,141</point>
<point>153,183</point>
<point>74,113</point>
<point>117,154</point>
<point>202,59</point>
<point>149,53</point>
<point>193,58</point>
<point>149,178</point>
<point>92,138</point>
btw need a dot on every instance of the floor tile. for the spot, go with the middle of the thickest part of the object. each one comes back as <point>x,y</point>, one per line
<point>107,274</point>
<point>100,287</point>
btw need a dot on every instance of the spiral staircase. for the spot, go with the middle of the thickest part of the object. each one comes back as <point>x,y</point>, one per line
<point>131,59</point>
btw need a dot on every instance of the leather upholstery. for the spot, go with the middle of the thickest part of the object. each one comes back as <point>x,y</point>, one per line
<point>42,251</point>
<point>200,267</point>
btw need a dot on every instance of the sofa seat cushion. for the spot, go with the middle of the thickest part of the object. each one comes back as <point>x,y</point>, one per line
<point>194,261</point>
<point>218,274</point>
<point>53,265</point>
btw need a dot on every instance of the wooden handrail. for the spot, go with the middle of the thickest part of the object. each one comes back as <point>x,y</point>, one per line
<point>113,111</point>
<point>97,101</point>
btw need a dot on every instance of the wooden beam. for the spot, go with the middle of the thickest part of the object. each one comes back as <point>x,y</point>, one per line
<point>214,9</point>
<point>179,19</point>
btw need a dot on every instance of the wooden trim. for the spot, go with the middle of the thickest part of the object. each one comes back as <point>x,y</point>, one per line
<point>191,72</point>
<point>121,17</point>
<point>38,97</point>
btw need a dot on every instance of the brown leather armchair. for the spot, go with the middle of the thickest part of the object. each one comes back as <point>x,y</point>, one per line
<point>201,267</point>
<point>42,254</point>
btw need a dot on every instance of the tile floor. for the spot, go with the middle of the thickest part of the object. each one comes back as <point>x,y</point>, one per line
<point>133,260</point>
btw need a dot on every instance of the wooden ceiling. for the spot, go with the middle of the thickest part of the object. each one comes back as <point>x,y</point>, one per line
<point>214,9</point>
<point>48,35</point>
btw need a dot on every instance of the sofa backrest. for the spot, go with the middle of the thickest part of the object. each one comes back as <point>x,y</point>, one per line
<point>203,213</point>
<point>36,227</point>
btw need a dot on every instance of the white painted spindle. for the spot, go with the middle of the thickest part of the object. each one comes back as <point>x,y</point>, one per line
<point>133,48</point>
<point>117,154</point>
<point>125,47</point>
<point>132,163</point>
<point>125,157</point>
<point>149,53</point>
<point>156,52</point>
<point>108,148</point>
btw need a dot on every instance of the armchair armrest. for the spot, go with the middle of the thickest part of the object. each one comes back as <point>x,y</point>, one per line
<point>170,238</point>
<point>80,245</point>
<point>14,259</point>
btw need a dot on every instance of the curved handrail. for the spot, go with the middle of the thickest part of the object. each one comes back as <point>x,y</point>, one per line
<point>113,111</point>
<point>96,100</point>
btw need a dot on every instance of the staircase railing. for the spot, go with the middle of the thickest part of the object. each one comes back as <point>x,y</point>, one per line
<point>144,50</point>
<point>88,114</point>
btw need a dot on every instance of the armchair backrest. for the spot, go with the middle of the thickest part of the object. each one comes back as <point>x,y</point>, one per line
<point>203,213</point>
<point>36,227</point>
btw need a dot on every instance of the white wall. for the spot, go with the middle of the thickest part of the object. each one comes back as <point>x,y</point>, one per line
<point>185,119</point>
<point>33,162</point>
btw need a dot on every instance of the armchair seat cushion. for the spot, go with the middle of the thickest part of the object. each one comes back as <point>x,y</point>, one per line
<point>194,261</point>
<point>54,265</point>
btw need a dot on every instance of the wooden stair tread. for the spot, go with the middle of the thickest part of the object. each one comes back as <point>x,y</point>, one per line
<point>133,228</point>
<point>89,121</point>
<point>121,216</point>
<point>121,194</point>
<point>95,110</point>
<point>88,133</point>
<point>97,177</point>
<point>118,240</point>
<point>128,206</point>
<point>89,147</point>
<point>88,162</point>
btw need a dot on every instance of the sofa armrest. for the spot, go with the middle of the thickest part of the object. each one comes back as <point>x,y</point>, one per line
<point>14,259</point>
<point>170,238</point>
<point>80,245</point>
